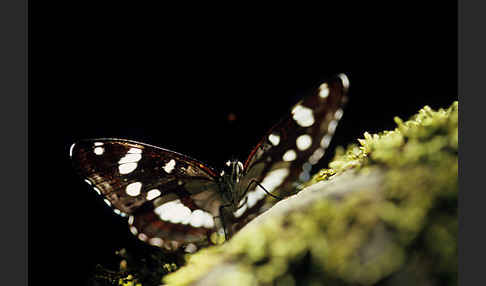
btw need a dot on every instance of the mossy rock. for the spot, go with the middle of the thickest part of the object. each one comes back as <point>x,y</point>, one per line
<point>385,213</point>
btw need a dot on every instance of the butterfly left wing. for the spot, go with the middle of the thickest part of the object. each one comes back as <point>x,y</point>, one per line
<point>171,200</point>
<point>284,157</point>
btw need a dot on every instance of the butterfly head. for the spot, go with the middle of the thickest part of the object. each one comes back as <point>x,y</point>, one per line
<point>231,174</point>
<point>232,171</point>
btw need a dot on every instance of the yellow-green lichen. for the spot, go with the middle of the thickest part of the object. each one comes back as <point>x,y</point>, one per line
<point>128,281</point>
<point>399,223</point>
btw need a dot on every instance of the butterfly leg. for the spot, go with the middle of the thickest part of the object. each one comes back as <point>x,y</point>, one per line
<point>263,188</point>
<point>243,202</point>
<point>221,216</point>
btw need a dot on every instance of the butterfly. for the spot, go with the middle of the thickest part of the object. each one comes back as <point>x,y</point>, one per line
<point>176,202</point>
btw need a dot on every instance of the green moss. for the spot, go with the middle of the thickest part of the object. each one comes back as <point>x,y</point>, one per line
<point>385,211</point>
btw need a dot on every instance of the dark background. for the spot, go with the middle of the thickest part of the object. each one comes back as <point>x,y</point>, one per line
<point>170,76</point>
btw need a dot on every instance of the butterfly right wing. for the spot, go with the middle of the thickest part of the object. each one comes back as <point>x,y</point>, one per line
<point>171,200</point>
<point>299,140</point>
<point>283,158</point>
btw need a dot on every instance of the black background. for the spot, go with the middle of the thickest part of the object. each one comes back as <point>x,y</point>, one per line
<point>170,76</point>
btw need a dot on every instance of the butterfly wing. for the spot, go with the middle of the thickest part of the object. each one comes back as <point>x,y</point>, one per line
<point>171,200</point>
<point>284,157</point>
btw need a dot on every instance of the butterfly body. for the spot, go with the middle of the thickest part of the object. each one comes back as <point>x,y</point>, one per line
<point>173,201</point>
<point>229,187</point>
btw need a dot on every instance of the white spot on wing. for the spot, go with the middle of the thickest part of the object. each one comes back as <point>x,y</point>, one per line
<point>169,166</point>
<point>176,212</point>
<point>98,143</point>
<point>88,182</point>
<point>255,196</point>
<point>290,155</point>
<point>197,218</point>
<point>274,139</point>
<point>156,241</point>
<point>306,167</point>
<point>173,211</point>
<point>135,151</point>
<point>325,141</point>
<point>201,218</point>
<point>134,189</point>
<point>323,90</point>
<point>338,114</point>
<point>272,181</point>
<point>240,211</point>
<point>344,80</point>
<point>304,142</point>
<point>97,190</point>
<point>191,248</point>
<point>107,202</point>
<point>128,163</point>
<point>303,115</point>
<point>99,150</point>
<point>131,219</point>
<point>142,236</point>
<point>332,126</point>
<point>127,168</point>
<point>130,158</point>
<point>275,178</point>
<point>71,150</point>
<point>316,156</point>
<point>304,176</point>
<point>152,194</point>
<point>133,230</point>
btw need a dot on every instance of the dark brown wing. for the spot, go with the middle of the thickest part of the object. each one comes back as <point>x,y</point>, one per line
<point>171,200</point>
<point>284,157</point>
